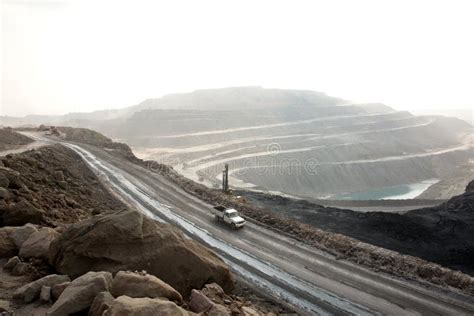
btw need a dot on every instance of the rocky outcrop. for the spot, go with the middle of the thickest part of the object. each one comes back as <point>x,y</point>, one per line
<point>31,291</point>
<point>37,245</point>
<point>140,284</point>
<point>129,240</point>
<point>80,294</point>
<point>124,306</point>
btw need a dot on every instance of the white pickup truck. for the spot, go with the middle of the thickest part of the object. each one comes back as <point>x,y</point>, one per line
<point>229,216</point>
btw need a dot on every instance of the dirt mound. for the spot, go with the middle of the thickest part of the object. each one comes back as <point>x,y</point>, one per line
<point>129,240</point>
<point>56,181</point>
<point>10,139</point>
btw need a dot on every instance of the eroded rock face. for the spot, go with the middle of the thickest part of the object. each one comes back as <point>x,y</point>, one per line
<point>139,284</point>
<point>80,294</point>
<point>124,306</point>
<point>128,240</point>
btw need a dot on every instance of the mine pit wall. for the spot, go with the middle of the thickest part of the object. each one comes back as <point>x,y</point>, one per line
<point>330,179</point>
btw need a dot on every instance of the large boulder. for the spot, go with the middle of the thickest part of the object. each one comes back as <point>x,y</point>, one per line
<point>29,292</point>
<point>144,306</point>
<point>22,213</point>
<point>80,294</point>
<point>37,245</point>
<point>129,240</point>
<point>139,284</point>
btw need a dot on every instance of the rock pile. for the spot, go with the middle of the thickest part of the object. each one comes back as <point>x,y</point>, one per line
<point>98,254</point>
<point>128,293</point>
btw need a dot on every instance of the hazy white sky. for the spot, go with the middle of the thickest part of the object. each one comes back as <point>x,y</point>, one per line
<point>60,56</point>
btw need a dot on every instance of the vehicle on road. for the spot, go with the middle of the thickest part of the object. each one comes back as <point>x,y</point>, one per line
<point>229,216</point>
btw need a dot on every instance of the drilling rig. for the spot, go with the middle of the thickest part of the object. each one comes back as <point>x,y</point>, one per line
<point>225,179</point>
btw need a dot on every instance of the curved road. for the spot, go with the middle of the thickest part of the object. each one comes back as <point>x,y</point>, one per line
<point>311,281</point>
